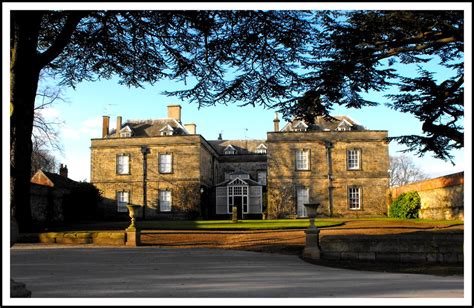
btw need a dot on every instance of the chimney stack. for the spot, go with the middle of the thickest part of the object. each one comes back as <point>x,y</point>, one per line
<point>105,126</point>
<point>276,123</point>
<point>119,126</point>
<point>220,136</point>
<point>174,112</point>
<point>63,170</point>
<point>191,128</point>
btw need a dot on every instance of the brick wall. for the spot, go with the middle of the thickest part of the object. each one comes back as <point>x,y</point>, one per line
<point>441,198</point>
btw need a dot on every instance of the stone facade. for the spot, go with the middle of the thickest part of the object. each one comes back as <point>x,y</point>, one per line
<point>198,166</point>
<point>328,177</point>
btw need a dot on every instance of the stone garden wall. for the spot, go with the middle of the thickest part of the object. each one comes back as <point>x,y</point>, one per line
<point>441,198</point>
<point>398,248</point>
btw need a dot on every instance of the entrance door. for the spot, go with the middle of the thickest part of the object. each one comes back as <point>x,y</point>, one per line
<point>238,204</point>
<point>302,197</point>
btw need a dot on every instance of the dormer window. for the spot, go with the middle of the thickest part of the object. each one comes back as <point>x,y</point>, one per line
<point>261,149</point>
<point>167,131</point>
<point>126,132</point>
<point>300,127</point>
<point>230,150</point>
<point>344,125</point>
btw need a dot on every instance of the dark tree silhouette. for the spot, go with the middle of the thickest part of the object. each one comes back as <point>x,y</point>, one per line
<point>355,53</point>
<point>147,46</point>
<point>269,58</point>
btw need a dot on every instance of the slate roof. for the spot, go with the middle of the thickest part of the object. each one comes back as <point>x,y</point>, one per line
<point>55,179</point>
<point>242,146</point>
<point>151,128</point>
<point>322,123</point>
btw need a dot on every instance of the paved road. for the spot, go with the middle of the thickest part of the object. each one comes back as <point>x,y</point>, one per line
<point>206,273</point>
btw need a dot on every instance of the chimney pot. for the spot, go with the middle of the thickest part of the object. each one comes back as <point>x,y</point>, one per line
<point>276,123</point>
<point>174,112</point>
<point>63,171</point>
<point>191,128</point>
<point>119,126</point>
<point>105,126</point>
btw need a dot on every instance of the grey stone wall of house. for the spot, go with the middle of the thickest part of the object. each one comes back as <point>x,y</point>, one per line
<point>406,248</point>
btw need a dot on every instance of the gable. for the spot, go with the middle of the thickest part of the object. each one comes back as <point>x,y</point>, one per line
<point>41,179</point>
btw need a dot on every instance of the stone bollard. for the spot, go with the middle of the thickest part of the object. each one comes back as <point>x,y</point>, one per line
<point>312,249</point>
<point>234,215</point>
<point>132,233</point>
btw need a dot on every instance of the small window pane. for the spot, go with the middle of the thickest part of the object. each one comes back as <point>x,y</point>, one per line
<point>353,159</point>
<point>354,198</point>
<point>165,163</point>
<point>165,200</point>
<point>122,201</point>
<point>123,166</point>
<point>302,160</point>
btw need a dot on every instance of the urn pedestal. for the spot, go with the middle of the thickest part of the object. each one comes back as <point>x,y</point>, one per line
<point>312,249</point>
<point>133,232</point>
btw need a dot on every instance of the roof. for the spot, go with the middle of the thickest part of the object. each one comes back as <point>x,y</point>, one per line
<point>242,146</point>
<point>152,128</point>
<point>323,123</point>
<point>46,178</point>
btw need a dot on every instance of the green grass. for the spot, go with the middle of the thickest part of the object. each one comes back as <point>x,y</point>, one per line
<point>241,225</point>
<point>279,224</point>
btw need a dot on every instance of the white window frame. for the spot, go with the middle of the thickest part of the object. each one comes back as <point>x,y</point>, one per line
<point>264,182</point>
<point>123,198</point>
<point>302,159</point>
<point>165,200</point>
<point>122,165</point>
<point>230,150</point>
<point>261,149</point>
<point>302,197</point>
<point>241,191</point>
<point>353,159</point>
<point>165,166</point>
<point>354,194</point>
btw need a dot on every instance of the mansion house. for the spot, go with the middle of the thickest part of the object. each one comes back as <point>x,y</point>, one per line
<point>173,172</point>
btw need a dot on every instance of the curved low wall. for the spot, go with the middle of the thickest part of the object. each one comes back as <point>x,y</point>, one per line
<point>405,248</point>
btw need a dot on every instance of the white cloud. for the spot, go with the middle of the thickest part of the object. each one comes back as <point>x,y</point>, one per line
<point>49,113</point>
<point>91,127</point>
<point>70,133</point>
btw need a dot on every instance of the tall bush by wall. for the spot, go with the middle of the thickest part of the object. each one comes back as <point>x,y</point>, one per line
<point>407,205</point>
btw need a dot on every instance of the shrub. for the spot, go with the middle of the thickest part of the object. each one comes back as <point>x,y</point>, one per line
<point>82,203</point>
<point>407,205</point>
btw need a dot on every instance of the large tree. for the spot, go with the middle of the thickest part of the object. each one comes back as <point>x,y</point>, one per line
<point>404,171</point>
<point>273,58</point>
<point>145,46</point>
<point>362,51</point>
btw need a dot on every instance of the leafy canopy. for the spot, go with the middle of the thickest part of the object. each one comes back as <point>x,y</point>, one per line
<point>300,62</point>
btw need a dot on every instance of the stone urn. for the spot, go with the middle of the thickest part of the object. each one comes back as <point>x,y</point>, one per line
<point>132,212</point>
<point>311,210</point>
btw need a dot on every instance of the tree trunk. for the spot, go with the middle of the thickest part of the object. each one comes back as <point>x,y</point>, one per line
<point>24,77</point>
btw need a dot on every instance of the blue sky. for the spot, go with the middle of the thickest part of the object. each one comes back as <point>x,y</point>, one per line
<point>82,113</point>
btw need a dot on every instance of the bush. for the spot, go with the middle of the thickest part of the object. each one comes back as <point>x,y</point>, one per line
<point>82,203</point>
<point>407,205</point>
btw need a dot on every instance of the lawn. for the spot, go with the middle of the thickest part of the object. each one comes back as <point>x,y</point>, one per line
<point>277,224</point>
<point>241,225</point>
